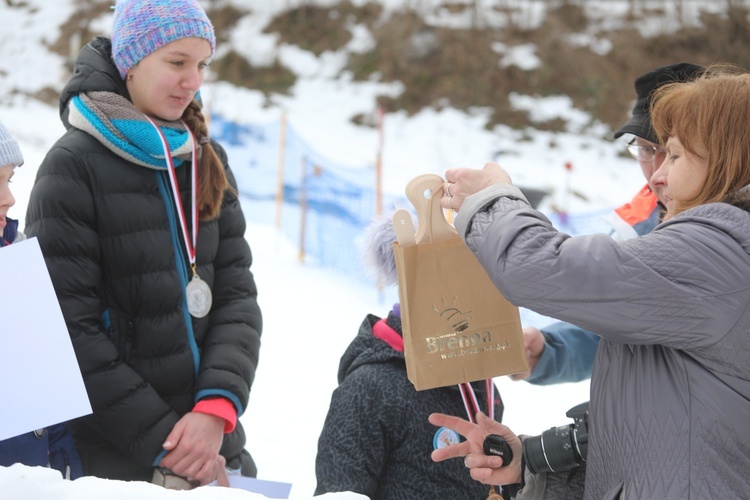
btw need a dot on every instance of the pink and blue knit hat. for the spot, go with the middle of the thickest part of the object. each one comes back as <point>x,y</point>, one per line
<point>144,26</point>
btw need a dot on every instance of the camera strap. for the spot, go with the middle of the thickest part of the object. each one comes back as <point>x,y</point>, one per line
<point>472,404</point>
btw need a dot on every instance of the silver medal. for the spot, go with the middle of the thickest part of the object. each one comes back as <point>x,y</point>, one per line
<point>198,297</point>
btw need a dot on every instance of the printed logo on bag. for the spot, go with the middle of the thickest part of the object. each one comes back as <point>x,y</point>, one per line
<point>459,340</point>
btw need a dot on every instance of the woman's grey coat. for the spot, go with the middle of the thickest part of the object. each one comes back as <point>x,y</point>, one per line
<point>670,390</point>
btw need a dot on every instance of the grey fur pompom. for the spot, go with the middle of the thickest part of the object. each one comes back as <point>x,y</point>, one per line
<point>377,249</point>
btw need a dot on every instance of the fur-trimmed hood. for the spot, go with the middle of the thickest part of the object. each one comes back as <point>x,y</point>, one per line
<point>740,198</point>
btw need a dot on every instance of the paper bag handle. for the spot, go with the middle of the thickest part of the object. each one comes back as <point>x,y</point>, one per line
<point>404,228</point>
<point>432,224</point>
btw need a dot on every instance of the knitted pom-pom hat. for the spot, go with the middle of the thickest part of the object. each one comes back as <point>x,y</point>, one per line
<point>10,153</point>
<point>143,26</point>
<point>377,248</point>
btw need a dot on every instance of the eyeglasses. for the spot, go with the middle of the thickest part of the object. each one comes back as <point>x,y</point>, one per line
<point>645,153</point>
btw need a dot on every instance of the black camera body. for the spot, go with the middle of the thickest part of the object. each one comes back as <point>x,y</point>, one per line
<point>560,448</point>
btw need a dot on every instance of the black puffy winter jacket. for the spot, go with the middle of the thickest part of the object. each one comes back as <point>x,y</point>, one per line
<point>114,250</point>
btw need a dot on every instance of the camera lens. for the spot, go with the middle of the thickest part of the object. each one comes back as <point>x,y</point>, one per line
<point>554,450</point>
<point>560,448</point>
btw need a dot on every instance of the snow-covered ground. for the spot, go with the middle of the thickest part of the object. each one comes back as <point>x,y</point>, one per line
<point>311,314</point>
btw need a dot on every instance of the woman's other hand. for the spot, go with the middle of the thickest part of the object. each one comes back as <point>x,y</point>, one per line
<point>483,468</point>
<point>534,343</point>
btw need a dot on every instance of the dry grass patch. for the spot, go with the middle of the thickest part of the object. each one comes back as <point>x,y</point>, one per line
<point>235,69</point>
<point>224,19</point>
<point>317,29</point>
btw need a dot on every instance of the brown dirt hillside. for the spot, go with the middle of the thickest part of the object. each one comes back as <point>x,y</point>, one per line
<point>441,66</point>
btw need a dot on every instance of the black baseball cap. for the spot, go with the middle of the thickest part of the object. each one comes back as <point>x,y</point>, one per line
<point>640,123</point>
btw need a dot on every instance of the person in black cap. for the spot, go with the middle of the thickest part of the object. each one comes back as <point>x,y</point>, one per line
<point>645,145</point>
<point>562,352</point>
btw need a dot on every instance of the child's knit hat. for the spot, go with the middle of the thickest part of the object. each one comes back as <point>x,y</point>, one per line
<point>9,150</point>
<point>144,26</point>
<point>377,248</point>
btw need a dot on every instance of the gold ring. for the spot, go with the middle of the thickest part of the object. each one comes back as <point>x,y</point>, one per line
<point>448,189</point>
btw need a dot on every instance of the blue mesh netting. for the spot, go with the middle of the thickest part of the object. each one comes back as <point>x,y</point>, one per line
<point>339,200</point>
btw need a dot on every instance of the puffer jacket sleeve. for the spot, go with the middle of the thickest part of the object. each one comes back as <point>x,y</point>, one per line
<point>232,345</point>
<point>684,285</point>
<point>61,214</point>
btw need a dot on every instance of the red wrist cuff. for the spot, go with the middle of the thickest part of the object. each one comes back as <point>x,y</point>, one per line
<point>219,407</point>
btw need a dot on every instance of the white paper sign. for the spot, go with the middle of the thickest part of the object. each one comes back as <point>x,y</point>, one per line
<point>269,489</point>
<point>40,382</point>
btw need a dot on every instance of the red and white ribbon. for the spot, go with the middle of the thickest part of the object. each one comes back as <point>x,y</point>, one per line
<point>190,246</point>
<point>470,399</point>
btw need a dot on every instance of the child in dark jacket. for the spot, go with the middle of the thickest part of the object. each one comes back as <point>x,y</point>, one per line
<point>376,439</point>
<point>52,446</point>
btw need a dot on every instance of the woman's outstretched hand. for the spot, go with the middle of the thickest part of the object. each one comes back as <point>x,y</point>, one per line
<point>463,182</point>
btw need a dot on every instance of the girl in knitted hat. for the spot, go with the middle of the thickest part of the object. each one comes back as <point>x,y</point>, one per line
<point>51,446</point>
<point>10,158</point>
<point>137,214</point>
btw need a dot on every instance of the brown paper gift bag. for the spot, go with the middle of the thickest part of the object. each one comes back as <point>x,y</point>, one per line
<point>457,326</point>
